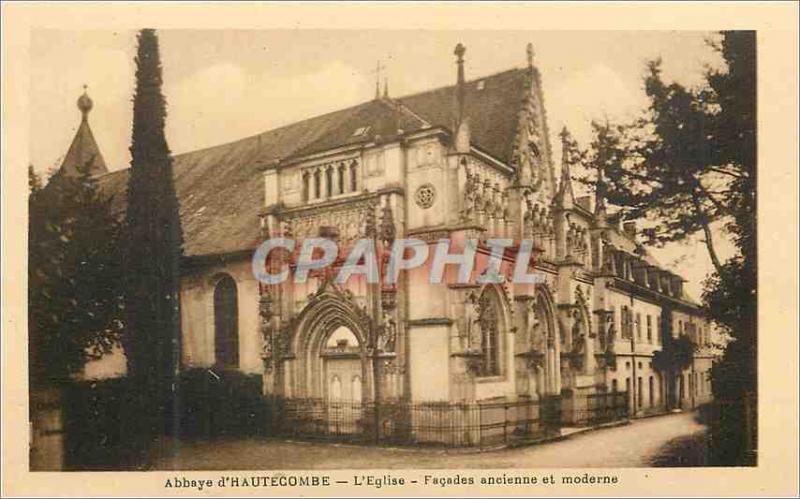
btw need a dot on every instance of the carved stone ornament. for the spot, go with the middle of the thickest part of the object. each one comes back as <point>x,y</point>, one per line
<point>425,196</point>
<point>265,316</point>
<point>534,359</point>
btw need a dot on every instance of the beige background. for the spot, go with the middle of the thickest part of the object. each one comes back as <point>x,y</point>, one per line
<point>778,160</point>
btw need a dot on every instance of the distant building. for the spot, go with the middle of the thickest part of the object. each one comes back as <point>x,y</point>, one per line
<point>472,160</point>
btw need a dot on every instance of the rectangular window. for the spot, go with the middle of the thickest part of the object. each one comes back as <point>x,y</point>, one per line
<point>628,390</point>
<point>649,329</point>
<point>658,330</point>
<point>626,322</point>
<point>638,326</point>
<point>639,394</point>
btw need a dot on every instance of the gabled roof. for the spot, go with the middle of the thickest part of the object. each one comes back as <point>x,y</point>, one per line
<point>491,104</point>
<point>221,192</point>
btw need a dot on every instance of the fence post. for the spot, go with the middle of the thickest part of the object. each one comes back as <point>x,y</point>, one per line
<point>505,423</point>
<point>480,426</point>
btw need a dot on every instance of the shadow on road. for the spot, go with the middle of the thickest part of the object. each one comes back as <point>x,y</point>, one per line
<point>687,451</point>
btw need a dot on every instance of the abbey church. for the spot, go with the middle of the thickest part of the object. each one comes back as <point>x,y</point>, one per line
<point>469,161</point>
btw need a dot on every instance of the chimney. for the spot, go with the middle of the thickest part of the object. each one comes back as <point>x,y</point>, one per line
<point>629,228</point>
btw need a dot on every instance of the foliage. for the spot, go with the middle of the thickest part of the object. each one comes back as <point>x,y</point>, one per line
<point>152,243</point>
<point>95,435</point>
<point>210,406</point>
<point>75,297</point>
<point>674,164</point>
<point>730,295</point>
<point>222,403</point>
<point>676,354</point>
<point>688,163</point>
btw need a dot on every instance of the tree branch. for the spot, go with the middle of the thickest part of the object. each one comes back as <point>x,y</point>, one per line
<point>725,172</point>
<point>708,194</point>
<point>703,218</point>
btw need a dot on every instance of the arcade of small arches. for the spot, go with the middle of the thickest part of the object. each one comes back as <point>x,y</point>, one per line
<point>329,180</point>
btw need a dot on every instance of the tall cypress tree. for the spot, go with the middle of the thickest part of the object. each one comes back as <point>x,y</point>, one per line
<point>153,248</point>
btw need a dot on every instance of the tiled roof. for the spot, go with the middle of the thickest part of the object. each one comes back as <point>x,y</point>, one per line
<point>491,104</point>
<point>221,191</point>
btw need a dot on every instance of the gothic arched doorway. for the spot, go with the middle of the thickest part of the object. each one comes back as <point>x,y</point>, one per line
<point>330,343</point>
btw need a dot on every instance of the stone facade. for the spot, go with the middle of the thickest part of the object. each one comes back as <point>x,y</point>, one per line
<point>593,325</point>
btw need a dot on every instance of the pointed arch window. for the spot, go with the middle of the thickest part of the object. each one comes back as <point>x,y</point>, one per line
<point>488,321</point>
<point>226,323</point>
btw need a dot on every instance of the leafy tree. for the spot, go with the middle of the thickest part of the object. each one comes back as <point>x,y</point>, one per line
<point>153,243</point>
<point>661,166</point>
<point>677,353</point>
<point>730,294</point>
<point>690,163</point>
<point>75,297</point>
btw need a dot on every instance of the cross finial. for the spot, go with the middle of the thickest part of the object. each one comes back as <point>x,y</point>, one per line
<point>529,51</point>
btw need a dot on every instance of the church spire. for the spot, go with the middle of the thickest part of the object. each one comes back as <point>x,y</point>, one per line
<point>600,213</point>
<point>83,152</point>
<point>459,52</point>
<point>529,51</point>
<point>378,68</point>
<point>462,138</point>
<point>566,196</point>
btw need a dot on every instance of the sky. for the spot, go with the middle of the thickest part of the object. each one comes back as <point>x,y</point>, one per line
<point>223,85</point>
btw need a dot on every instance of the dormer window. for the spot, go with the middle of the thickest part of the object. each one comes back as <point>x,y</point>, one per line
<point>361,131</point>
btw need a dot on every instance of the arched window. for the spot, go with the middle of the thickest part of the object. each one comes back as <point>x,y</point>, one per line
<point>353,180</point>
<point>340,171</point>
<point>317,184</point>
<point>226,323</point>
<point>306,181</point>
<point>329,181</point>
<point>488,320</point>
<point>336,388</point>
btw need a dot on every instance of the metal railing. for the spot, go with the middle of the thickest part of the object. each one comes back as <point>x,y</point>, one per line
<point>450,424</point>
<point>604,407</point>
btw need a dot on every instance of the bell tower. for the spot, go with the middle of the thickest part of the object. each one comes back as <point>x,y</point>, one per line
<point>83,152</point>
